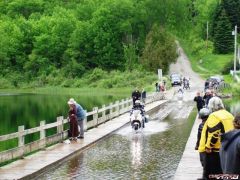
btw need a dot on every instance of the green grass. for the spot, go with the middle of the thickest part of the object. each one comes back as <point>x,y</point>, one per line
<point>207,64</point>
<point>66,91</point>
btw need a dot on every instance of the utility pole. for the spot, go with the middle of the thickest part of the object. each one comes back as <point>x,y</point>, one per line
<point>235,52</point>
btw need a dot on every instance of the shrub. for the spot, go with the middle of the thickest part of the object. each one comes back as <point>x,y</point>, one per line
<point>4,83</point>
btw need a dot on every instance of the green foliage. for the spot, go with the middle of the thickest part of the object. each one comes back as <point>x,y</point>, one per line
<point>49,41</point>
<point>232,8</point>
<point>5,83</point>
<point>159,51</point>
<point>24,7</point>
<point>223,39</point>
<point>130,55</point>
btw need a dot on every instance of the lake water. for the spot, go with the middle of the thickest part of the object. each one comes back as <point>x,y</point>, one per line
<point>30,109</point>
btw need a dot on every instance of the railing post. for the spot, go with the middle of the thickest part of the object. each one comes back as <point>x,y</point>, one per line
<point>111,110</point>
<point>126,105</point>
<point>104,113</point>
<point>60,128</point>
<point>21,141</point>
<point>95,116</point>
<point>43,134</point>
<point>122,110</point>
<point>130,103</point>
<point>85,126</point>
<point>117,108</point>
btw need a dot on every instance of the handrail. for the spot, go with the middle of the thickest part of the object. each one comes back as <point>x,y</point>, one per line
<point>114,110</point>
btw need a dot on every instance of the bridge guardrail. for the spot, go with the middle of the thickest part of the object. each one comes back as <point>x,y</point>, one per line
<point>107,113</point>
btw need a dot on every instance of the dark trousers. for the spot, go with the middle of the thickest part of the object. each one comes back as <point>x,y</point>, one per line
<point>211,165</point>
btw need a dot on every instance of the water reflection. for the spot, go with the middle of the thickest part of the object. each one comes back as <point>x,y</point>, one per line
<point>30,109</point>
<point>136,150</point>
<point>153,153</point>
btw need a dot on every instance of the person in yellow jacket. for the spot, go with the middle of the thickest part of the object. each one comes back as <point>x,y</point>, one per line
<point>218,122</point>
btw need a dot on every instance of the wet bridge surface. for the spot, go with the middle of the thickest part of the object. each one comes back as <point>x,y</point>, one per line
<point>152,153</point>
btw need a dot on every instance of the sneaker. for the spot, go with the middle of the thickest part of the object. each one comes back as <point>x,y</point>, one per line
<point>80,137</point>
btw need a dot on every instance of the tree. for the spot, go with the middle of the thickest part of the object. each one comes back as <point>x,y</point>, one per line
<point>11,39</point>
<point>25,7</point>
<point>222,38</point>
<point>159,51</point>
<point>232,8</point>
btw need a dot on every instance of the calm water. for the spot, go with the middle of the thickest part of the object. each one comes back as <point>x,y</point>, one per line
<point>151,154</point>
<point>29,110</point>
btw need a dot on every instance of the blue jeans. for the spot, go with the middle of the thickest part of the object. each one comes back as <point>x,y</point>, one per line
<point>81,125</point>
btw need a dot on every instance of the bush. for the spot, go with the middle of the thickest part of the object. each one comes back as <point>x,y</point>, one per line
<point>96,75</point>
<point>229,66</point>
<point>4,83</point>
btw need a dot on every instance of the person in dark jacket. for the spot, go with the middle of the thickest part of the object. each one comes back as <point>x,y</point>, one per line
<point>81,115</point>
<point>143,95</point>
<point>73,130</point>
<point>199,100</point>
<point>203,115</point>
<point>208,95</point>
<point>230,150</point>
<point>136,95</point>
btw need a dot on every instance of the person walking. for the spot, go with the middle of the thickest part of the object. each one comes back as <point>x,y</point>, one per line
<point>207,96</point>
<point>143,95</point>
<point>218,122</point>
<point>81,114</point>
<point>157,87</point>
<point>199,100</point>
<point>230,150</point>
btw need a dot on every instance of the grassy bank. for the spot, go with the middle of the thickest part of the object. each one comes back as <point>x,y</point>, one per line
<point>97,81</point>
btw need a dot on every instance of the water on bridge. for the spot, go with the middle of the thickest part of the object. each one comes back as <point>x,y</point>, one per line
<point>150,154</point>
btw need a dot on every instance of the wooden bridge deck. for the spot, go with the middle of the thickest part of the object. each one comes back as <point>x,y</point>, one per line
<point>189,167</point>
<point>39,162</point>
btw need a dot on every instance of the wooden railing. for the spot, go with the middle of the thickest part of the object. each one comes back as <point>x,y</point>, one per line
<point>94,118</point>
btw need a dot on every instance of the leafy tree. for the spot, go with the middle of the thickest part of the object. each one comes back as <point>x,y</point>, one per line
<point>223,39</point>
<point>24,7</point>
<point>130,56</point>
<point>10,42</point>
<point>52,37</point>
<point>232,8</point>
<point>159,51</point>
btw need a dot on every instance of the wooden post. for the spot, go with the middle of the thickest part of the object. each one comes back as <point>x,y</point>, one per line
<point>117,108</point>
<point>43,134</point>
<point>104,113</point>
<point>122,110</point>
<point>85,122</point>
<point>21,141</point>
<point>111,110</point>
<point>95,116</point>
<point>130,103</point>
<point>60,128</point>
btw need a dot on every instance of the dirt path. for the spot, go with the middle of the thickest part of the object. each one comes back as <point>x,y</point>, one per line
<point>183,67</point>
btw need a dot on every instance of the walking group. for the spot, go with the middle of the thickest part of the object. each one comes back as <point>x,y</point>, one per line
<point>218,139</point>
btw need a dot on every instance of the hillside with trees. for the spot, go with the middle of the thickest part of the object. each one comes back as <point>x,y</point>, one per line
<point>82,42</point>
<point>52,41</point>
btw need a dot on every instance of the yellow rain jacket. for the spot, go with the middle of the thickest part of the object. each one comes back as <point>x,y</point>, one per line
<point>217,123</point>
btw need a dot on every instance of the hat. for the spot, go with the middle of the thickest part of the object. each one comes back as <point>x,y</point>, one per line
<point>204,113</point>
<point>215,104</point>
<point>71,101</point>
